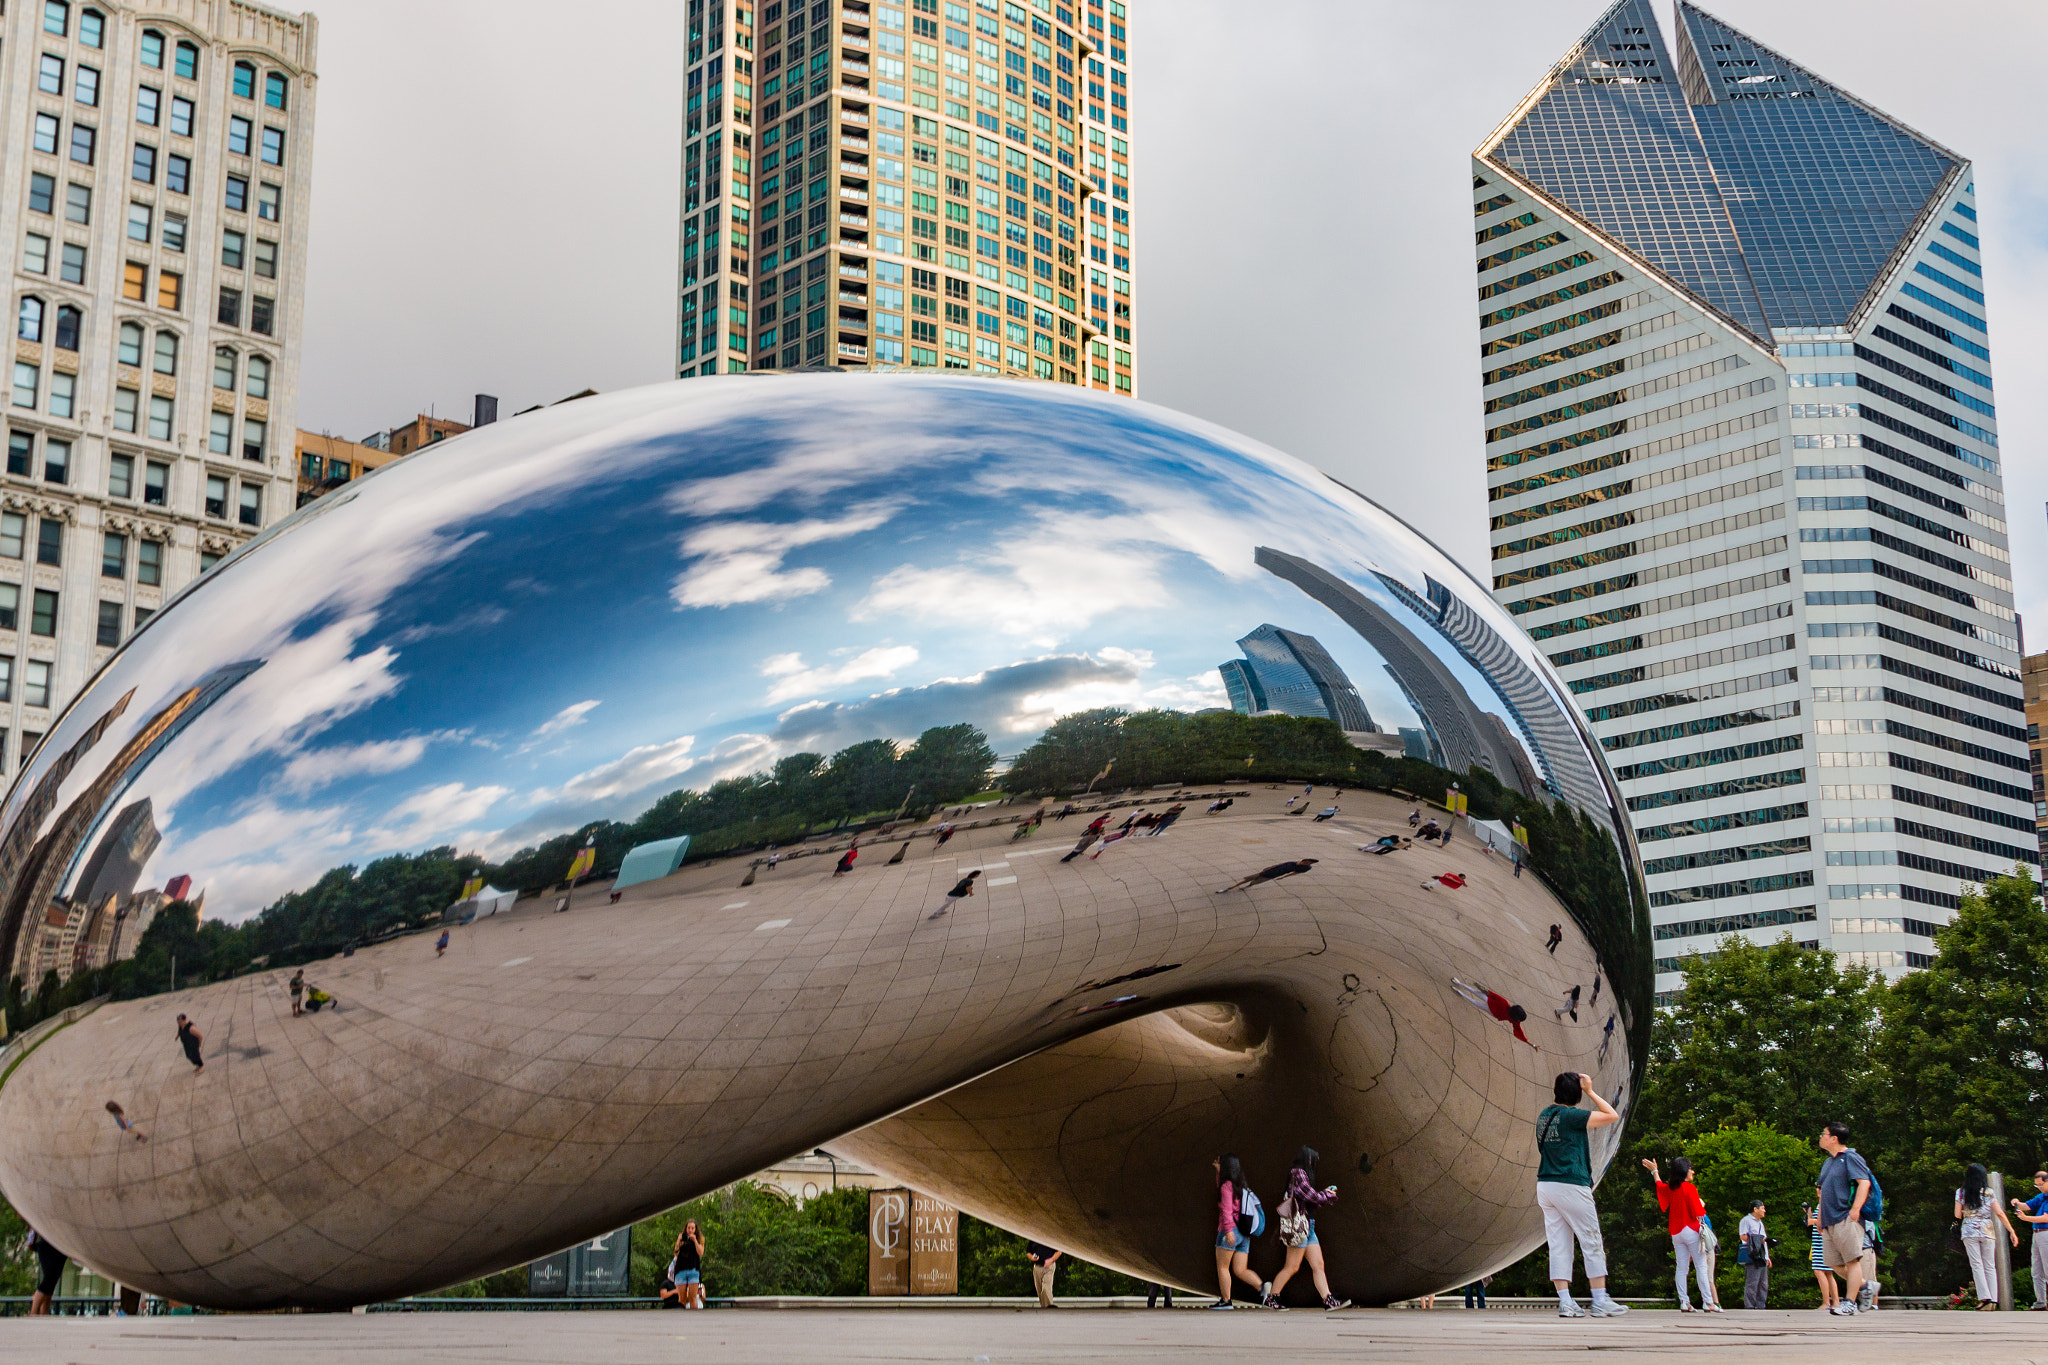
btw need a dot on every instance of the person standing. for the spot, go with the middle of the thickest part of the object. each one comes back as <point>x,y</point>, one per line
<point>1755,1256</point>
<point>1296,1212</point>
<point>1173,813</point>
<point>1233,1238</point>
<point>1570,1005</point>
<point>1710,1252</point>
<point>2035,1211</point>
<point>1556,937</point>
<point>50,1269</point>
<point>1683,1210</point>
<point>1977,1210</point>
<point>1830,1293</point>
<point>1841,1190</point>
<point>298,989</point>
<point>1045,1264</point>
<point>687,1269</point>
<point>1475,1292</point>
<point>1564,1191</point>
<point>962,889</point>
<point>190,1038</point>
<point>441,944</point>
<point>122,1120</point>
<point>1087,838</point>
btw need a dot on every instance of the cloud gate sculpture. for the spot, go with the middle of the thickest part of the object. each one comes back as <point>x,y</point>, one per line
<point>792,611</point>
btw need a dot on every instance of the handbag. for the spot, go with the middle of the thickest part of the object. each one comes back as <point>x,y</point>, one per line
<point>1294,1224</point>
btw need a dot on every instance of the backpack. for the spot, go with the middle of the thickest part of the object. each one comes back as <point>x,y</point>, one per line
<point>1873,1203</point>
<point>1251,1214</point>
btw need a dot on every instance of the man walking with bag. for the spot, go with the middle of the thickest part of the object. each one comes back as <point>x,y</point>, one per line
<point>1755,1255</point>
<point>1843,1187</point>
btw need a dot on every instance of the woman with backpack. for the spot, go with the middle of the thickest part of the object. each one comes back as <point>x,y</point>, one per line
<point>1298,1231</point>
<point>1976,1208</point>
<point>1238,1219</point>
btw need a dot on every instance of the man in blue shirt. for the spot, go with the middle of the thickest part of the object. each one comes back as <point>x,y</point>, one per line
<point>1843,1185</point>
<point>2035,1211</point>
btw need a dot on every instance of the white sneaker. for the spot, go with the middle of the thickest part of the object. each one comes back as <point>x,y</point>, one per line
<point>1844,1310</point>
<point>1566,1308</point>
<point>1607,1308</point>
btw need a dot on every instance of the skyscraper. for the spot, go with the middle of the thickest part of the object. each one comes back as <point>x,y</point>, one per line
<point>1291,673</point>
<point>158,210</point>
<point>942,186</point>
<point>1788,615</point>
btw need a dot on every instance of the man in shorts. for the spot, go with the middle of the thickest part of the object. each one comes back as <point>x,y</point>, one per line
<point>1843,1185</point>
<point>1564,1191</point>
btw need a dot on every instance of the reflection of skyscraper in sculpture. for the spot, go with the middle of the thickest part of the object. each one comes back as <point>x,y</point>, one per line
<point>34,876</point>
<point>116,865</point>
<point>1535,709</point>
<point>1291,673</point>
<point>1453,722</point>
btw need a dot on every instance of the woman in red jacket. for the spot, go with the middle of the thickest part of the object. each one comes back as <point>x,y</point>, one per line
<point>1680,1201</point>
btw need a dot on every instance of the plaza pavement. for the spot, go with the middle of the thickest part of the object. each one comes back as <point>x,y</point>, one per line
<point>1026,1337</point>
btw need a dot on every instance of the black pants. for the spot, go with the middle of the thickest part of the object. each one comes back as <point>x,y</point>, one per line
<point>53,1267</point>
<point>1153,1291</point>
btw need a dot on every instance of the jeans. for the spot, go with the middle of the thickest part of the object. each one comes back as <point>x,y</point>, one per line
<point>1686,1247</point>
<point>1756,1285</point>
<point>1983,1267</point>
<point>1568,1212</point>
<point>1475,1295</point>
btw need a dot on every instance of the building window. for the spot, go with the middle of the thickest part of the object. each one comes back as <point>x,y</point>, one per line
<point>35,253</point>
<point>252,504</point>
<point>129,351</point>
<point>152,49</point>
<point>78,204</point>
<point>114,556</point>
<point>156,487</point>
<point>121,476</point>
<point>275,89</point>
<point>310,467</point>
<point>85,85</point>
<point>27,381</point>
<point>216,496</point>
<point>149,563</point>
<point>142,615</point>
<point>173,236</point>
<point>224,368</point>
<point>29,322</point>
<point>148,105</point>
<point>109,626</point>
<point>207,559</point>
<point>167,353</point>
<point>259,377</point>
<point>187,67</point>
<point>229,314</point>
<point>10,619</point>
<point>50,542</point>
<point>144,164</point>
<point>68,321</point>
<point>48,130</point>
<point>50,75</point>
<point>260,311</point>
<point>245,81</point>
<point>273,146</point>
<point>161,414</point>
<point>127,403</point>
<point>141,219</point>
<point>35,673</point>
<point>266,259</point>
<point>42,620</point>
<point>84,141</point>
<point>56,17</point>
<point>237,194</point>
<point>42,193</point>
<point>21,452</point>
<point>92,28</point>
<point>170,290</point>
<point>231,249</point>
<point>13,534</point>
<point>135,282</point>
<point>220,438</point>
<point>63,387</point>
<point>178,174</point>
<point>269,201</point>
<point>240,131</point>
<point>253,436</point>
<point>181,116</point>
<point>57,455</point>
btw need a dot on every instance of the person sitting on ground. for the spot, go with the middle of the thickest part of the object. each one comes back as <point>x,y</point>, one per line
<point>1385,844</point>
<point>1454,880</point>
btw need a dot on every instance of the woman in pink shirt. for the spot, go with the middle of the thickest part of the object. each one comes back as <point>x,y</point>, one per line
<point>1682,1206</point>
<point>1233,1243</point>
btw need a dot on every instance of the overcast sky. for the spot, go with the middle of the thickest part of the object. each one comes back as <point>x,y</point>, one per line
<point>495,194</point>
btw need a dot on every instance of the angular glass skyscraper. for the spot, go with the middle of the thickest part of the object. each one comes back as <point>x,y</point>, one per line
<point>1291,673</point>
<point>1788,614</point>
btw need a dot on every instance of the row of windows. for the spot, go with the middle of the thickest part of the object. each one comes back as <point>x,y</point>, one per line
<point>1748,886</point>
<point>1708,791</point>
<point>1886,824</point>
<point>1740,853</point>
<point>1946,805</point>
<point>1729,924</point>
<point>1712,824</point>
<point>1706,725</point>
<point>92,28</point>
<point>1913,701</point>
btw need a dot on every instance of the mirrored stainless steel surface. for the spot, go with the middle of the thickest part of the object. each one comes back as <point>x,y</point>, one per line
<point>571,615</point>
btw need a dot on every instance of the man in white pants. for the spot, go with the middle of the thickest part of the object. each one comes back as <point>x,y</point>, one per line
<point>1564,1191</point>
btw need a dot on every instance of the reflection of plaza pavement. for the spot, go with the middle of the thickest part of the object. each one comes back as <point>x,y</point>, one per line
<point>1449,1336</point>
<point>558,1075</point>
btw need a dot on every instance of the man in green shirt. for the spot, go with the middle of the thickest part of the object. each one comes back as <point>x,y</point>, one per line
<point>1564,1191</point>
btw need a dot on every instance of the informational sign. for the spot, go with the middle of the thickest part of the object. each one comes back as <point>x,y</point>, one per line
<point>594,1269</point>
<point>889,1242</point>
<point>934,1246</point>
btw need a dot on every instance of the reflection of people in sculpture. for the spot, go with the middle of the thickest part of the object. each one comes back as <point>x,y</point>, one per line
<point>1385,844</point>
<point>190,1038</point>
<point>962,889</point>
<point>774,857</point>
<point>1570,1005</point>
<point>1222,803</point>
<point>1414,817</point>
<point>1272,874</point>
<point>1325,813</point>
<point>122,1119</point>
<point>1454,880</point>
<point>441,944</point>
<point>1173,813</point>
<point>1556,937</point>
<point>298,989</point>
<point>1430,829</point>
<point>1233,1238</point>
<point>846,860</point>
<point>1080,846</point>
<point>945,833</point>
<point>1496,1005</point>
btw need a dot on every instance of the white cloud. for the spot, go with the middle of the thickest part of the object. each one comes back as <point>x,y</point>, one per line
<point>741,561</point>
<point>568,718</point>
<point>632,771</point>
<point>793,679</point>
<point>317,767</point>
<point>434,813</point>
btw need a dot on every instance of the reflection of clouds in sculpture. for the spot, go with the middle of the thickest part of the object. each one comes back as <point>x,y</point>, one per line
<point>737,562</point>
<point>315,768</point>
<point>793,679</point>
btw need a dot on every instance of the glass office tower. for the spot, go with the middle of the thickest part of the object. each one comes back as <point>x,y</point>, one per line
<point>1743,482</point>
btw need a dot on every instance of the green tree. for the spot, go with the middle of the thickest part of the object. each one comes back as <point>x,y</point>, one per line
<point>947,763</point>
<point>1964,1055</point>
<point>1732,1166</point>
